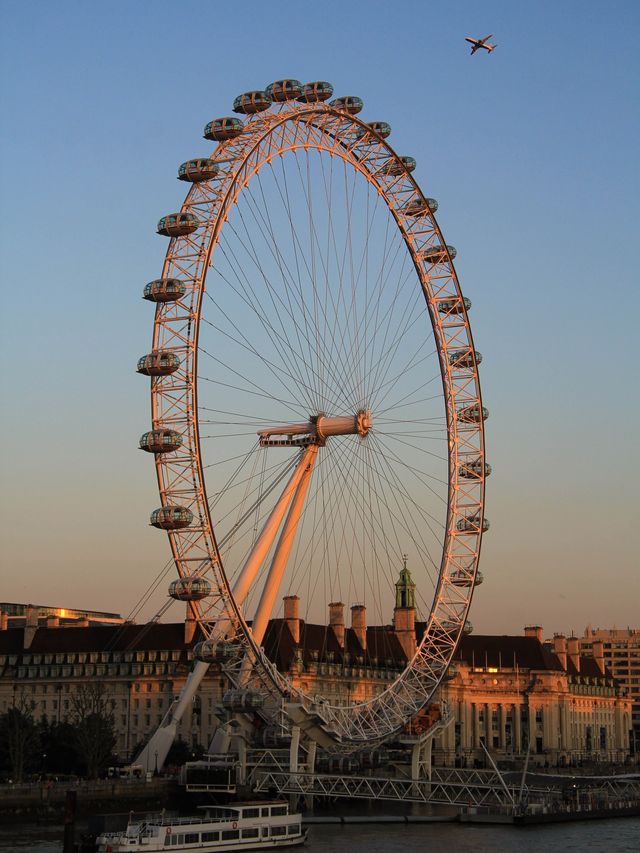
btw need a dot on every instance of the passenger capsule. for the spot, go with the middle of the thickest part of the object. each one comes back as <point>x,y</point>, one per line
<point>198,170</point>
<point>380,127</point>
<point>454,306</point>
<point>252,102</point>
<point>164,290</point>
<point>243,700</point>
<point>349,104</point>
<point>472,414</point>
<point>419,205</point>
<point>190,588</point>
<point>314,92</point>
<point>439,254</point>
<point>160,441</point>
<point>177,224</point>
<point>212,651</point>
<point>171,517</point>
<point>398,166</point>
<point>468,628</point>
<point>158,363</point>
<point>462,579</point>
<point>464,358</point>
<point>473,469</point>
<point>284,90</point>
<point>221,129</point>
<point>471,524</point>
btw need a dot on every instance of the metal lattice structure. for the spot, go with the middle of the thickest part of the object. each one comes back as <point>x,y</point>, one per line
<point>292,123</point>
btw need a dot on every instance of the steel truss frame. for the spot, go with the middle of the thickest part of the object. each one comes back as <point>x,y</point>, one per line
<point>476,788</point>
<point>174,404</point>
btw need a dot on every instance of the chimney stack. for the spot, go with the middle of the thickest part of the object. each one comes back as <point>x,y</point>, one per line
<point>4,620</point>
<point>31,626</point>
<point>598,653</point>
<point>292,616</point>
<point>336,621</point>
<point>534,631</point>
<point>560,648</point>
<point>359,624</point>
<point>573,648</point>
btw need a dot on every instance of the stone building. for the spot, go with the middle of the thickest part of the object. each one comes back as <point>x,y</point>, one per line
<point>505,692</point>
<point>619,648</point>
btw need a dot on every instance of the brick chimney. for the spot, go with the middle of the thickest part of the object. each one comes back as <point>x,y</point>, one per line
<point>359,624</point>
<point>560,648</point>
<point>598,653</point>
<point>573,648</point>
<point>292,616</point>
<point>31,626</point>
<point>336,621</point>
<point>534,631</point>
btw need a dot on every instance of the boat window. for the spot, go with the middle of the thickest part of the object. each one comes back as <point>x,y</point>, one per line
<point>293,828</point>
<point>210,836</point>
<point>230,833</point>
<point>278,830</point>
<point>278,810</point>
<point>265,812</point>
<point>251,812</point>
<point>191,838</point>
<point>250,833</point>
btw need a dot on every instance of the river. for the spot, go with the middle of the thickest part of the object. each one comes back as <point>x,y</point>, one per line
<point>598,836</point>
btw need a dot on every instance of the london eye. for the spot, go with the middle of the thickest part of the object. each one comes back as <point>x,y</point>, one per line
<point>316,414</point>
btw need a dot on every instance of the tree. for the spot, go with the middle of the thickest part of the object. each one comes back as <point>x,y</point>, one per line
<point>19,739</point>
<point>92,717</point>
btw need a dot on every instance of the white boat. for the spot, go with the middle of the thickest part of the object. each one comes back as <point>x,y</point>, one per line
<point>240,826</point>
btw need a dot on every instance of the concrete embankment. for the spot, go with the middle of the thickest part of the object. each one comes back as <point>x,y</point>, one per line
<point>101,795</point>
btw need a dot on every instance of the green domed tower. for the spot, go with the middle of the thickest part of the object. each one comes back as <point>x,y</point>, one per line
<point>404,613</point>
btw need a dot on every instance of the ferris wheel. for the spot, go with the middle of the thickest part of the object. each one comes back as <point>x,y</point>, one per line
<point>317,421</point>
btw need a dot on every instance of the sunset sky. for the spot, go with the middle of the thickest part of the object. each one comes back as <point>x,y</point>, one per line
<point>531,152</point>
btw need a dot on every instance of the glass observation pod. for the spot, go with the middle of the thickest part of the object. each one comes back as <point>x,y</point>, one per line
<point>418,206</point>
<point>252,102</point>
<point>189,588</point>
<point>473,414</point>
<point>380,127</point>
<point>450,627</point>
<point>177,224</point>
<point>395,168</point>
<point>439,254</point>
<point>242,700</point>
<point>314,92</point>
<point>351,104</point>
<point>197,170</point>
<point>471,524</point>
<point>284,90</point>
<point>221,129</point>
<point>465,358</point>
<point>164,290</point>
<point>160,441</point>
<point>158,363</point>
<point>454,306</point>
<point>212,651</point>
<point>473,469</point>
<point>171,517</point>
<point>462,579</point>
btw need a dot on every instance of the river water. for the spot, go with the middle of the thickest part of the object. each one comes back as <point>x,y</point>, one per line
<point>598,836</point>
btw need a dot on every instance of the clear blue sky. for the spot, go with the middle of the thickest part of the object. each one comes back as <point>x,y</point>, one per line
<point>532,154</point>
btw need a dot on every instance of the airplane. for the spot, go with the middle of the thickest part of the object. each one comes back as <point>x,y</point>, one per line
<point>478,43</point>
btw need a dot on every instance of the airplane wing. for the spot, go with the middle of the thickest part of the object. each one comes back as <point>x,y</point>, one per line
<point>486,38</point>
<point>474,48</point>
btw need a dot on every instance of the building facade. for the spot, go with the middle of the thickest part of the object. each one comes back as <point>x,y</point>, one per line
<point>509,694</point>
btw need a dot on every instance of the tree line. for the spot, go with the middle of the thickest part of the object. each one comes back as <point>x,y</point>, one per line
<point>81,745</point>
